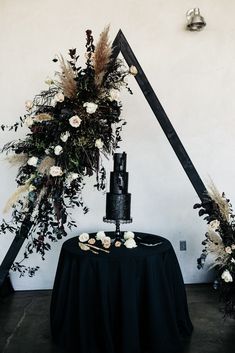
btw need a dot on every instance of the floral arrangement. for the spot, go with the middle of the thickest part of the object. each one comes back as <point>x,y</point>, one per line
<point>220,243</point>
<point>87,243</point>
<point>71,126</point>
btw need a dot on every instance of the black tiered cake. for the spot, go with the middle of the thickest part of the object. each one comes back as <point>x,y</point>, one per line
<point>118,200</point>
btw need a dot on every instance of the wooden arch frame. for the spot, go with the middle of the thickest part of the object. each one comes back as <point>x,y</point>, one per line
<point>120,44</point>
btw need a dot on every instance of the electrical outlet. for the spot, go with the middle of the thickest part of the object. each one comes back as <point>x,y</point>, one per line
<point>183,245</point>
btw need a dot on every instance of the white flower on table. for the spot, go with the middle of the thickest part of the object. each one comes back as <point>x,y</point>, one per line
<point>130,243</point>
<point>100,235</point>
<point>32,161</point>
<point>106,242</point>
<point>90,107</point>
<point>75,121</point>
<point>58,150</point>
<point>59,97</point>
<point>99,144</point>
<point>56,171</point>
<point>28,105</point>
<point>128,235</point>
<point>84,237</point>
<point>133,70</point>
<point>226,276</point>
<point>114,95</point>
<point>64,136</point>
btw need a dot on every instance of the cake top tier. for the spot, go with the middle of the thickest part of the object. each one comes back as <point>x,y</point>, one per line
<point>120,162</point>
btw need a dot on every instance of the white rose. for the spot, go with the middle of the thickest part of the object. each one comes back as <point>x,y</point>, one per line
<point>59,97</point>
<point>28,105</point>
<point>129,235</point>
<point>233,246</point>
<point>58,150</point>
<point>228,250</point>
<point>56,171</point>
<point>226,276</point>
<point>99,144</point>
<point>33,161</point>
<point>83,237</point>
<point>100,235</point>
<point>29,121</point>
<point>72,176</point>
<point>90,107</point>
<point>75,121</point>
<point>214,224</point>
<point>130,243</point>
<point>133,70</point>
<point>64,136</point>
<point>106,242</point>
<point>114,95</point>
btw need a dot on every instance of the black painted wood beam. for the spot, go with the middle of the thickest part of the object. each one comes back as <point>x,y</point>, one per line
<point>121,45</point>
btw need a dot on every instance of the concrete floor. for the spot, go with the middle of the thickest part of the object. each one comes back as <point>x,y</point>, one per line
<point>24,323</point>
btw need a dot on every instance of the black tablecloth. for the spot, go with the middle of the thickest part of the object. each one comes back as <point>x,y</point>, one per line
<point>128,301</point>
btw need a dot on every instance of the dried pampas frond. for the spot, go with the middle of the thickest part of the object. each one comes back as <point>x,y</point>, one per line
<point>16,196</point>
<point>45,165</point>
<point>102,56</point>
<point>67,79</point>
<point>42,117</point>
<point>17,159</point>
<point>221,201</point>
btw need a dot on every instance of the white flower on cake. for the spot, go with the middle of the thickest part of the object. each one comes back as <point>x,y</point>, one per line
<point>75,121</point>
<point>100,235</point>
<point>64,136</point>
<point>106,242</point>
<point>226,276</point>
<point>29,121</point>
<point>130,243</point>
<point>59,97</point>
<point>83,246</point>
<point>90,107</point>
<point>56,171</point>
<point>133,70</point>
<point>71,177</point>
<point>128,235</point>
<point>114,95</point>
<point>228,250</point>
<point>83,237</point>
<point>214,224</point>
<point>99,144</point>
<point>58,150</point>
<point>33,161</point>
<point>233,246</point>
<point>28,105</point>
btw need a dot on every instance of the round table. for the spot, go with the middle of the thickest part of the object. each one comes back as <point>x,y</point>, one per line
<point>127,301</point>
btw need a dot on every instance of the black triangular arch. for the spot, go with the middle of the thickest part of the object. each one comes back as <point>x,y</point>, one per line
<point>120,44</point>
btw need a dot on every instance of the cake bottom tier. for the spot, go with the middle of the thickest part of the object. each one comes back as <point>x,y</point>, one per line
<point>118,206</point>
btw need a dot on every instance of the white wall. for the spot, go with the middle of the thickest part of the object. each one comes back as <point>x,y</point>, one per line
<point>193,75</point>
